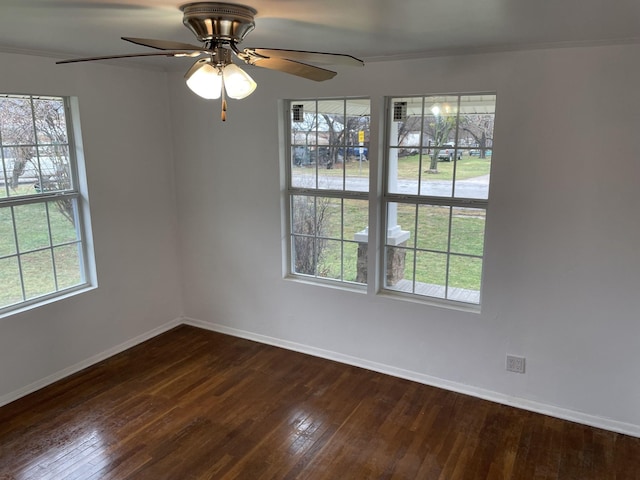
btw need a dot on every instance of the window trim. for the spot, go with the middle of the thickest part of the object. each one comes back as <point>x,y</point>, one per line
<point>77,193</point>
<point>378,200</point>
<point>387,197</point>
<point>290,191</point>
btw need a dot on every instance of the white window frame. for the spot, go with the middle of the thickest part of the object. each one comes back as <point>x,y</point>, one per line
<point>76,193</point>
<point>315,193</point>
<point>452,202</point>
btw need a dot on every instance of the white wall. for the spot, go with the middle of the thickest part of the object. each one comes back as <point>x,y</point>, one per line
<point>562,252</point>
<point>128,151</point>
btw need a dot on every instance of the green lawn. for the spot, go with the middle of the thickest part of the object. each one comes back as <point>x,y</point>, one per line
<point>436,256</point>
<point>46,258</point>
<point>431,246</point>
<point>408,168</point>
<point>467,167</point>
<point>47,250</point>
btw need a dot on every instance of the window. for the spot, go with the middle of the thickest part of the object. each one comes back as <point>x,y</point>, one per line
<point>436,194</point>
<point>42,244</point>
<point>327,189</point>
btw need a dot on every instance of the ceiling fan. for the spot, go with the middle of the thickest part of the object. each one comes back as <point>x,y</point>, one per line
<point>220,27</point>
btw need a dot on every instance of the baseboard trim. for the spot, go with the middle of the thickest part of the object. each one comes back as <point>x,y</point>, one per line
<point>545,409</point>
<point>11,397</point>
<point>537,407</point>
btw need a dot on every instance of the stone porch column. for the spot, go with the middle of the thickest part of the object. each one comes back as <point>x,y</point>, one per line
<point>395,238</point>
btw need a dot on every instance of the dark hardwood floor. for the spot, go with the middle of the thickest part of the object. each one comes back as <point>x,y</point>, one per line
<point>192,404</point>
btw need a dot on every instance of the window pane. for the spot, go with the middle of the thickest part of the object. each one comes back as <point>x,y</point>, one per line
<point>404,163</point>
<point>303,214</point>
<point>356,169</point>
<point>433,227</point>
<point>331,137</point>
<point>303,122</point>
<point>304,139</point>
<point>47,167</point>
<point>475,132</point>
<point>434,154</point>
<point>68,265</point>
<point>21,168</point>
<point>11,291</point>
<point>330,259</point>
<point>437,176</point>
<point>330,174</point>
<point>304,175</point>
<point>403,172</point>
<point>304,255</point>
<point>467,231</point>
<point>405,124</point>
<point>477,113</point>
<point>440,116</point>
<point>300,156</point>
<point>17,125</point>
<point>401,224</point>
<point>32,226</point>
<point>37,272</point>
<point>399,271</point>
<point>331,121</point>
<point>431,274</point>
<point>313,217</point>
<point>40,236</point>
<point>329,151</point>
<point>51,125</point>
<point>328,222</point>
<point>465,274</point>
<point>55,173</point>
<point>7,238</point>
<point>356,140</point>
<point>356,218</point>
<point>62,217</point>
<point>354,262</point>
<point>472,177</point>
<point>329,217</point>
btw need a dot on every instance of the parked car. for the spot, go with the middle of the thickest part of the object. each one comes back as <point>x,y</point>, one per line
<point>476,152</point>
<point>448,151</point>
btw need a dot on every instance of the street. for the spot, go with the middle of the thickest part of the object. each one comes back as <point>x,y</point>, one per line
<point>476,188</point>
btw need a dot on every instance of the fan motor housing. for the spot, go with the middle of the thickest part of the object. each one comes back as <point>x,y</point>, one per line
<point>218,21</point>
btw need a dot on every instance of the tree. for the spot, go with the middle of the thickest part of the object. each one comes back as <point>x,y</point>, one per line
<point>341,132</point>
<point>310,217</point>
<point>324,136</point>
<point>34,136</point>
<point>333,136</point>
<point>411,124</point>
<point>480,127</point>
<point>302,129</point>
<point>437,128</point>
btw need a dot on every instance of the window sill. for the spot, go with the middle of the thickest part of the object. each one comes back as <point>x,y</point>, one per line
<point>44,300</point>
<point>320,282</point>
<point>430,301</point>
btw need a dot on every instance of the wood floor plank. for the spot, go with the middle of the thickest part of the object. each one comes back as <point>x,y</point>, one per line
<point>194,405</point>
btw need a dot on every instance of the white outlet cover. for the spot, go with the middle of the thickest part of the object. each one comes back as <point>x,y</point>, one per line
<point>515,364</point>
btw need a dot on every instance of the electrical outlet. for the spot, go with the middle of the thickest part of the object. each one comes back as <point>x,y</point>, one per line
<point>515,364</point>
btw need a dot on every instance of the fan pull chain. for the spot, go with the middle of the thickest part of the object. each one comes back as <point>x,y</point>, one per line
<point>223,114</point>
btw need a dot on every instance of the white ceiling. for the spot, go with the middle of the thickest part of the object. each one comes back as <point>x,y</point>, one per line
<point>369,29</point>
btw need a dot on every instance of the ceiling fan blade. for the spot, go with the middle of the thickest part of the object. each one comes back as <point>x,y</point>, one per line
<point>163,44</point>
<point>180,53</point>
<point>304,56</point>
<point>294,68</point>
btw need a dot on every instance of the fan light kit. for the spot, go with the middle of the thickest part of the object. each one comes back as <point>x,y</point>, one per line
<point>220,27</point>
